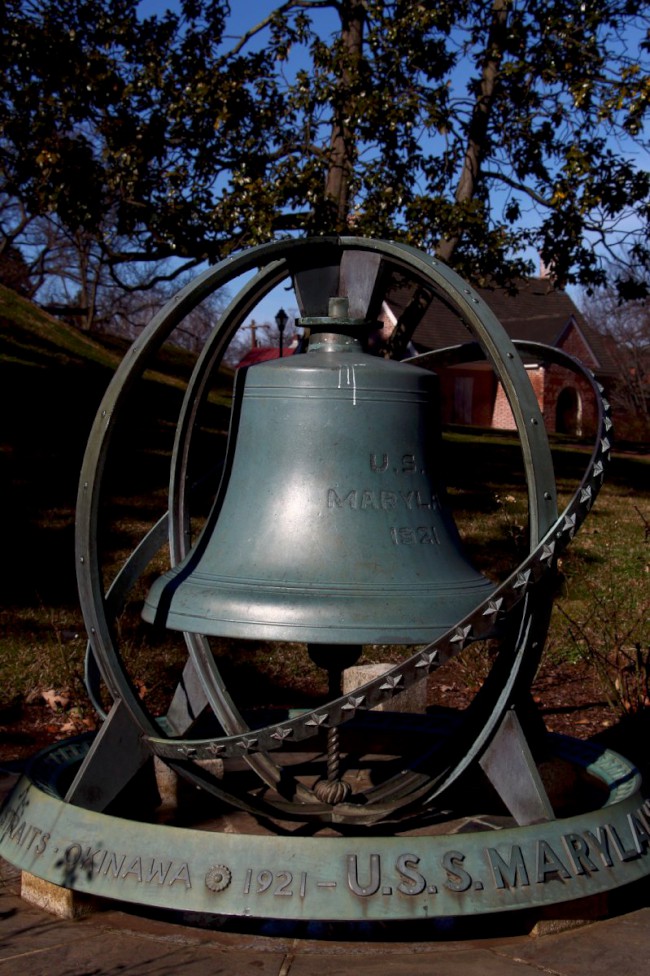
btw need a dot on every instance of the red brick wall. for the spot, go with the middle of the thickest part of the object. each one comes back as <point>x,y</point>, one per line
<point>502,417</point>
<point>490,408</point>
<point>549,383</point>
<point>573,344</point>
<point>559,379</point>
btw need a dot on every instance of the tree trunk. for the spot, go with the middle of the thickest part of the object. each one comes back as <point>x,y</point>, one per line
<point>343,143</point>
<point>478,127</point>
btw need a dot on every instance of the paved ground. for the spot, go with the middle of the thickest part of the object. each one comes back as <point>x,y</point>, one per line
<point>113,942</point>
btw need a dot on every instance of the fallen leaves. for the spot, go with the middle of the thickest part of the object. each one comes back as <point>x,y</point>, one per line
<point>55,699</point>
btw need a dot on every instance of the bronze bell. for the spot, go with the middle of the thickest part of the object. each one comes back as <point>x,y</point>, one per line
<point>328,526</point>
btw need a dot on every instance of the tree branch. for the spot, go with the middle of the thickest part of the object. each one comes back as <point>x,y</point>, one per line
<point>267,21</point>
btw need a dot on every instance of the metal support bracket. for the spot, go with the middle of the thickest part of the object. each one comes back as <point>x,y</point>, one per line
<point>509,765</point>
<point>118,752</point>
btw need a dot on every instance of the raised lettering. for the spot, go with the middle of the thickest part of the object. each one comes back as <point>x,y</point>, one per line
<point>428,535</point>
<point>408,463</point>
<point>17,833</point>
<point>264,881</point>
<point>388,500</point>
<point>378,467</point>
<point>182,874</point>
<point>642,813</point>
<point>88,861</point>
<point>404,535</point>
<point>578,851</point>
<point>601,843</point>
<point>42,844</point>
<point>353,876</point>
<point>35,833</point>
<point>510,873</point>
<point>72,855</point>
<point>283,887</point>
<point>408,497</point>
<point>334,500</point>
<point>548,862</point>
<point>624,854</point>
<point>369,500</point>
<point>414,883</point>
<point>157,873</point>
<point>113,865</point>
<point>457,877</point>
<point>639,833</point>
<point>134,868</point>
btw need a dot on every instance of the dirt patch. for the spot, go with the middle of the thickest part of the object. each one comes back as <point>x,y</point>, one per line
<point>26,728</point>
<point>568,696</point>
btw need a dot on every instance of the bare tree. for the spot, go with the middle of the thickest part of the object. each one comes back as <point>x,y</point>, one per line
<point>625,327</point>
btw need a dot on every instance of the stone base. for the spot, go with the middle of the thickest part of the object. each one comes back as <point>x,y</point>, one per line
<point>571,915</point>
<point>54,899</point>
<point>174,790</point>
<point>413,700</point>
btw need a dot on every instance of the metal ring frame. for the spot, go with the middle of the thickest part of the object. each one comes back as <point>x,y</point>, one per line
<point>549,535</point>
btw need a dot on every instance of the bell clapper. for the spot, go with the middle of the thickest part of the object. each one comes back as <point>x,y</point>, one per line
<point>334,659</point>
<point>332,790</point>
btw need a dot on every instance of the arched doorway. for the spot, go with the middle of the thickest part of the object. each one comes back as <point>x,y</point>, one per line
<point>568,412</point>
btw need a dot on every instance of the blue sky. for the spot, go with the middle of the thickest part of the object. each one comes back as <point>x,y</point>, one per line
<point>244,14</point>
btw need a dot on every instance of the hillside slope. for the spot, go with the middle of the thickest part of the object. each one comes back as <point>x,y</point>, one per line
<point>32,338</point>
<point>52,380</point>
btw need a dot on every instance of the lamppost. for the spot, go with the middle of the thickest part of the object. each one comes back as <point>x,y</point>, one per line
<point>281,320</point>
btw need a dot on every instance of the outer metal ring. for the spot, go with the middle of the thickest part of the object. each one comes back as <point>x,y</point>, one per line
<point>277,261</point>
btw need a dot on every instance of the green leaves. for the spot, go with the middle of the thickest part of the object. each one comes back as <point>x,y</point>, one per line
<point>486,131</point>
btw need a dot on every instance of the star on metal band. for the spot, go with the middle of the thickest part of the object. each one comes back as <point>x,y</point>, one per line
<point>354,702</point>
<point>569,525</point>
<point>247,744</point>
<point>281,734</point>
<point>427,659</point>
<point>493,608</point>
<point>522,580</point>
<point>547,552</point>
<point>392,681</point>
<point>462,635</point>
<point>316,721</point>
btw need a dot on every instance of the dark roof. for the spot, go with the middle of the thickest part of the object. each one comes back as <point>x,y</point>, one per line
<point>536,311</point>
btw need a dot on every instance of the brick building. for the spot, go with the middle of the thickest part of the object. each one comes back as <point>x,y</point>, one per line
<point>538,312</point>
